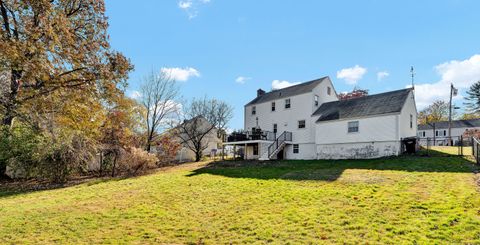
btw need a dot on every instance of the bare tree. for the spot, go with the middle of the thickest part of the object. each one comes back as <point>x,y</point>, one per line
<point>202,120</point>
<point>159,92</point>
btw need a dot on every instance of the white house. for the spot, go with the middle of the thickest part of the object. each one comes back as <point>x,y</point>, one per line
<point>307,121</point>
<point>440,133</point>
<point>210,141</point>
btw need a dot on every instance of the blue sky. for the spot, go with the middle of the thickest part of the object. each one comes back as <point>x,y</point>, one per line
<point>228,49</point>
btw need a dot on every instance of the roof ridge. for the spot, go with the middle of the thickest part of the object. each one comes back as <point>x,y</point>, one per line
<point>371,95</point>
<point>296,85</point>
<point>300,88</point>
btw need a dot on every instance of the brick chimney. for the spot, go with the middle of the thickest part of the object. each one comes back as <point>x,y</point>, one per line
<point>260,92</point>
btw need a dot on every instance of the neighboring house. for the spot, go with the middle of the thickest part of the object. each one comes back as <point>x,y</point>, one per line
<point>441,131</point>
<point>211,140</point>
<point>307,121</point>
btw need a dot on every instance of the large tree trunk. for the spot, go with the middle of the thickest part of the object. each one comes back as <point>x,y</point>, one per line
<point>11,104</point>
<point>198,156</point>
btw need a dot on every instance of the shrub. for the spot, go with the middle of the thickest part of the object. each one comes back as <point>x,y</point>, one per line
<point>68,153</point>
<point>19,150</point>
<point>166,150</point>
<point>29,153</point>
<point>134,160</point>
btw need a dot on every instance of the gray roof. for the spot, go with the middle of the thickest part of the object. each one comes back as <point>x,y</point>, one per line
<point>471,123</point>
<point>287,92</point>
<point>377,104</point>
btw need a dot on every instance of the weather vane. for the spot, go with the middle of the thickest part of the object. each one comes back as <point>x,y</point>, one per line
<point>412,72</point>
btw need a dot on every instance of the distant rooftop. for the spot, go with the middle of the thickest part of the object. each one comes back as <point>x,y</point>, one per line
<point>471,123</point>
<point>287,92</point>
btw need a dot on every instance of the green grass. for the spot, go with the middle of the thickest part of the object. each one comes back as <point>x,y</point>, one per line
<point>397,200</point>
<point>445,150</point>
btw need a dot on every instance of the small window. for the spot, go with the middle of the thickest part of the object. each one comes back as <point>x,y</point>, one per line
<point>444,132</point>
<point>254,110</point>
<point>316,100</point>
<point>301,124</point>
<point>423,133</point>
<point>295,149</point>
<point>287,103</point>
<point>273,106</point>
<point>411,121</point>
<point>255,150</point>
<point>353,127</point>
<point>274,128</point>
<point>329,90</point>
<point>436,133</point>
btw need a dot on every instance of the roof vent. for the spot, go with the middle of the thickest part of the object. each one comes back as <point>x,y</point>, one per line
<point>260,92</point>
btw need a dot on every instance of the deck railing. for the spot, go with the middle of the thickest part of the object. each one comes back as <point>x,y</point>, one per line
<point>251,135</point>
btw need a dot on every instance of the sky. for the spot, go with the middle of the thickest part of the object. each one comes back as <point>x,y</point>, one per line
<point>228,49</point>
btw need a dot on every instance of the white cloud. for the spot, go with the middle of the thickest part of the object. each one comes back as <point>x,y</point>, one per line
<point>134,94</point>
<point>181,74</point>
<point>185,4</point>
<point>382,75</point>
<point>242,80</point>
<point>352,75</point>
<point>461,73</point>
<point>191,6</point>
<point>277,84</point>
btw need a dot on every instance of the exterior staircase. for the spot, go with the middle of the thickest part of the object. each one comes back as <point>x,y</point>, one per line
<point>277,145</point>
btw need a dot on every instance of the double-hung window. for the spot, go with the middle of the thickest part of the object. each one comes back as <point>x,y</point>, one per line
<point>301,124</point>
<point>353,126</point>
<point>254,110</point>
<point>316,100</point>
<point>273,106</point>
<point>296,149</point>
<point>287,103</point>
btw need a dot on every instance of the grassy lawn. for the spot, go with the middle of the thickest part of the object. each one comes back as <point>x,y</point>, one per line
<point>446,150</point>
<point>397,200</point>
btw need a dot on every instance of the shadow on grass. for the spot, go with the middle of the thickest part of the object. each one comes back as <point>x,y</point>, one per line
<point>330,170</point>
<point>12,188</point>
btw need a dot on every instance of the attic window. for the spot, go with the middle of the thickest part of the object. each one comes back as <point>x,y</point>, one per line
<point>329,90</point>
<point>254,110</point>
<point>316,100</point>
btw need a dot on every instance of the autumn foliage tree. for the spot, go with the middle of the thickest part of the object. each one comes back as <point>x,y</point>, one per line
<point>50,47</point>
<point>436,112</point>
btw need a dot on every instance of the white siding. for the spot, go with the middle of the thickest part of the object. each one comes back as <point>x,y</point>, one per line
<point>301,108</point>
<point>305,152</point>
<point>376,137</point>
<point>380,128</point>
<point>408,109</point>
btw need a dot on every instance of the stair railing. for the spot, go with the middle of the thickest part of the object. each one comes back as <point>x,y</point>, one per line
<point>285,136</point>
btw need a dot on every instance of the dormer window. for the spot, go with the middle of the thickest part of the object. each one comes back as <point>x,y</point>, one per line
<point>254,110</point>
<point>287,103</point>
<point>316,100</point>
